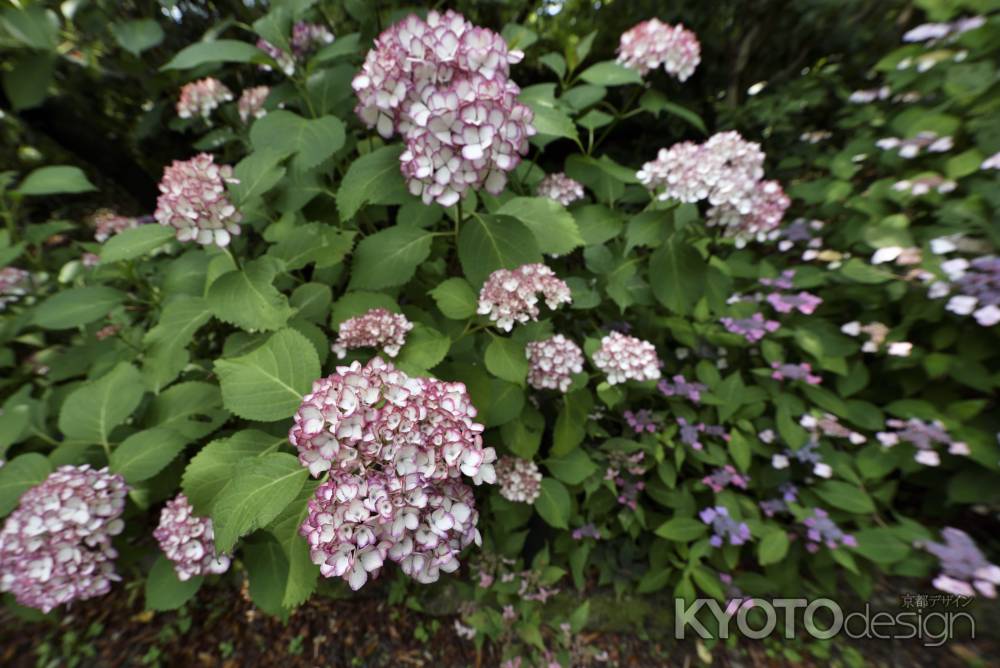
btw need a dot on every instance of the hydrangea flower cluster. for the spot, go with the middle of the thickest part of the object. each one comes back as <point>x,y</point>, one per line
<point>560,188</point>
<point>803,302</point>
<point>821,530</point>
<point>914,146</point>
<point>789,494</point>
<point>586,531</point>
<point>975,288</point>
<point>828,425</point>
<point>56,546</point>
<point>642,421</point>
<point>719,479</point>
<point>519,479</point>
<point>188,540</point>
<point>935,32</point>
<point>964,569</point>
<point>924,184</point>
<point>202,97</point>
<point>723,170</point>
<point>876,333</point>
<point>801,372</point>
<point>753,329</point>
<point>624,357</point>
<point>652,43</point>
<point>511,295</point>
<point>108,223</point>
<point>807,454</point>
<point>690,433</point>
<point>768,205</point>
<point>14,284</point>
<point>443,84</point>
<point>869,95</point>
<point>552,363</point>
<point>306,37</point>
<point>375,328</point>
<point>396,448</point>
<point>923,436</point>
<point>725,528</point>
<point>193,201</point>
<point>625,472</point>
<point>680,387</point>
<point>251,103</point>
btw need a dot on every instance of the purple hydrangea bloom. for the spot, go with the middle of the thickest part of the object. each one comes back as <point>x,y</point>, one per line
<point>642,421</point>
<point>753,329</point>
<point>724,477</point>
<point>681,388</point>
<point>801,372</point>
<point>804,302</point>
<point>964,569</point>
<point>821,530</point>
<point>923,436</point>
<point>725,528</point>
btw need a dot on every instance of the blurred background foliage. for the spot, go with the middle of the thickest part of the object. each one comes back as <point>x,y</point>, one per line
<point>769,68</point>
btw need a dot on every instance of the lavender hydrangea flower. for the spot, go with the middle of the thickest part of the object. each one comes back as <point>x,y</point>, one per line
<point>724,477</point>
<point>680,387</point>
<point>964,569</point>
<point>724,527</point>
<point>803,302</point>
<point>642,421</point>
<point>690,433</point>
<point>821,530</point>
<point>923,436</point>
<point>753,329</point>
<point>800,372</point>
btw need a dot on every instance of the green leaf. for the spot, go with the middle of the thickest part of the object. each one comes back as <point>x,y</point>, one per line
<point>311,140</point>
<point>268,383</point>
<point>554,503</point>
<point>93,409</point>
<point>681,529</point>
<point>312,301</point>
<point>28,79</point>
<point>137,36</point>
<point>259,490</point>
<point>219,51</point>
<point>256,174</point>
<point>487,243</point>
<point>654,102</point>
<point>135,242</point>
<point>610,73</point>
<point>845,496</point>
<point>166,343</point>
<point>571,422</point>
<point>267,571</point>
<point>506,360</point>
<point>389,257</point>
<point>550,122</point>
<point>248,299</point>
<point>144,454</point>
<point>18,476</point>
<point>425,348</point>
<point>572,469</point>
<point>373,178</point>
<point>211,469</point>
<point>32,25</point>
<point>55,180</point>
<point>312,243</point>
<point>303,574</point>
<point>192,409</point>
<point>455,299</point>
<point>164,590</point>
<point>881,546</point>
<point>77,306</point>
<point>553,226</point>
<point>677,275</point>
<point>773,547</point>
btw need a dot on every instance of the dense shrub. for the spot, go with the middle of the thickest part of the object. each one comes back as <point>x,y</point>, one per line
<point>706,363</point>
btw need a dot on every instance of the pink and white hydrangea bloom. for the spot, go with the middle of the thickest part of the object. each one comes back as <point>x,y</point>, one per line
<point>188,540</point>
<point>108,223</point>
<point>519,479</point>
<point>193,201</point>
<point>624,357</point>
<point>768,205</point>
<point>251,103</point>
<point>376,328</point>
<point>552,363</point>
<point>560,188</point>
<point>202,97</point>
<point>726,170</point>
<point>511,295</point>
<point>443,85</point>
<point>653,43</point>
<point>55,548</point>
<point>14,284</point>
<point>396,448</point>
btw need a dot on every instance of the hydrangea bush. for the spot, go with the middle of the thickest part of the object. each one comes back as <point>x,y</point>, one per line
<point>396,317</point>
